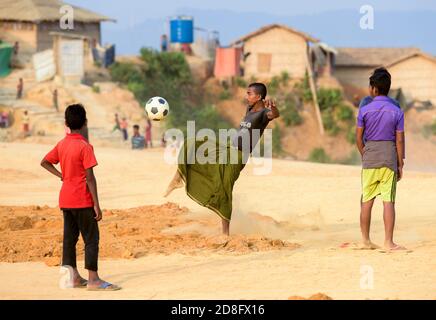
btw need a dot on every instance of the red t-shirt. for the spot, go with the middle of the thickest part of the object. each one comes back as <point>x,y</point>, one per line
<point>75,155</point>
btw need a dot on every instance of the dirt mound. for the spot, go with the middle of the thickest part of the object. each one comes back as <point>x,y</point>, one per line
<point>34,233</point>
<point>317,296</point>
<point>42,93</point>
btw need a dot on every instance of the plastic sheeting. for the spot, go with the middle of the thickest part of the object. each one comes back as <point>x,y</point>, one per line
<point>105,56</point>
<point>5,58</point>
<point>44,65</point>
<point>227,62</point>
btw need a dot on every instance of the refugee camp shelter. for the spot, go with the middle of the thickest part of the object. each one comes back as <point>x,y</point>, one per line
<point>72,55</point>
<point>273,49</point>
<point>29,22</point>
<point>411,69</point>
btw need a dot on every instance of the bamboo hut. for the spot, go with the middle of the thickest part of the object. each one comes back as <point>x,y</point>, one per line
<point>29,23</point>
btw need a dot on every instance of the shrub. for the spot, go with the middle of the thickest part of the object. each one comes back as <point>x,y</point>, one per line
<point>302,88</point>
<point>319,155</point>
<point>240,82</point>
<point>277,141</point>
<point>345,113</point>
<point>329,98</point>
<point>433,128</point>
<point>225,94</point>
<point>284,77</point>
<point>289,112</point>
<point>329,122</point>
<point>273,85</point>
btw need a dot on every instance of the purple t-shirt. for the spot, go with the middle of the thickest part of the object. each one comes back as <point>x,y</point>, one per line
<point>380,119</point>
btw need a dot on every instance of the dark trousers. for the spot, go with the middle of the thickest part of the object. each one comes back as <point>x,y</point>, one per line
<point>80,221</point>
<point>125,135</point>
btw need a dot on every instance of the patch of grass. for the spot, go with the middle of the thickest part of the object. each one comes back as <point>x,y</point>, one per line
<point>329,98</point>
<point>433,128</point>
<point>273,85</point>
<point>344,113</point>
<point>277,141</point>
<point>240,82</point>
<point>330,124</point>
<point>319,155</point>
<point>302,89</point>
<point>95,88</point>
<point>284,77</point>
<point>225,94</point>
<point>289,112</point>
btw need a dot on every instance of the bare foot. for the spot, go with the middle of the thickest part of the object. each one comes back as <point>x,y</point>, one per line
<point>176,183</point>
<point>394,247</point>
<point>220,240</point>
<point>368,245</point>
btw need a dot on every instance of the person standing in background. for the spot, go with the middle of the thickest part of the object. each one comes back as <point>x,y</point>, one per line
<point>164,43</point>
<point>123,127</point>
<point>55,99</point>
<point>148,134</point>
<point>26,121</point>
<point>20,87</point>
<point>117,123</point>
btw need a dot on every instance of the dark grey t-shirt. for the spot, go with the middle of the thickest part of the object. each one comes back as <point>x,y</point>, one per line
<point>253,120</point>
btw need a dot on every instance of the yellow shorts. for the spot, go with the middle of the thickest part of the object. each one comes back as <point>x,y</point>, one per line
<point>380,181</point>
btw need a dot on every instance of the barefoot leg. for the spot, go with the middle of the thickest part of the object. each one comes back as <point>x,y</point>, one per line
<point>226,226</point>
<point>365,220</point>
<point>175,183</point>
<point>389,220</point>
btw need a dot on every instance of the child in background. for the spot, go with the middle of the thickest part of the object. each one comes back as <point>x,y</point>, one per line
<point>123,126</point>
<point>148,134</point>
<point>78,198</point>
<point>138,141</point>
<point>381,122</point>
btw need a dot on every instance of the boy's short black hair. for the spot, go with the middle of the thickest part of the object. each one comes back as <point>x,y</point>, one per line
<point>381,79</point>
<point>136,127</point>
<point>260,88</point>
<point>75,116</point>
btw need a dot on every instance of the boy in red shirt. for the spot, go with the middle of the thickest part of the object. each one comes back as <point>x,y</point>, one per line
<point>78,197</point>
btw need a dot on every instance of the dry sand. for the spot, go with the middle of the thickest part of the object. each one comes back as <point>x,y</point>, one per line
<point>290,233</point>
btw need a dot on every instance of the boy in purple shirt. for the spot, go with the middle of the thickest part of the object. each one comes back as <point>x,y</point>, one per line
<point>382,124</point>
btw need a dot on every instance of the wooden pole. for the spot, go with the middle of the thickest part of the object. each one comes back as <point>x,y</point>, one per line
<point>314,95</point>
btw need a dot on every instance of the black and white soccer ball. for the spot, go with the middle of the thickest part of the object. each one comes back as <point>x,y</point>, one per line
<point>157,108</point>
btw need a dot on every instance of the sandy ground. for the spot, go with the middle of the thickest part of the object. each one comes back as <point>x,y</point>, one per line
<point>293,233</point>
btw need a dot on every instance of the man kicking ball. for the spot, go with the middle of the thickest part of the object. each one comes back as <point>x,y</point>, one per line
<point>211,184</point>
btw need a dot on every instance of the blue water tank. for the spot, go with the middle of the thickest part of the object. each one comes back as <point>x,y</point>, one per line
<point>182,29</point>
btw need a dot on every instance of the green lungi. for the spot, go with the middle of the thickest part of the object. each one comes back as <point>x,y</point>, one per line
<point>211,184</point>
